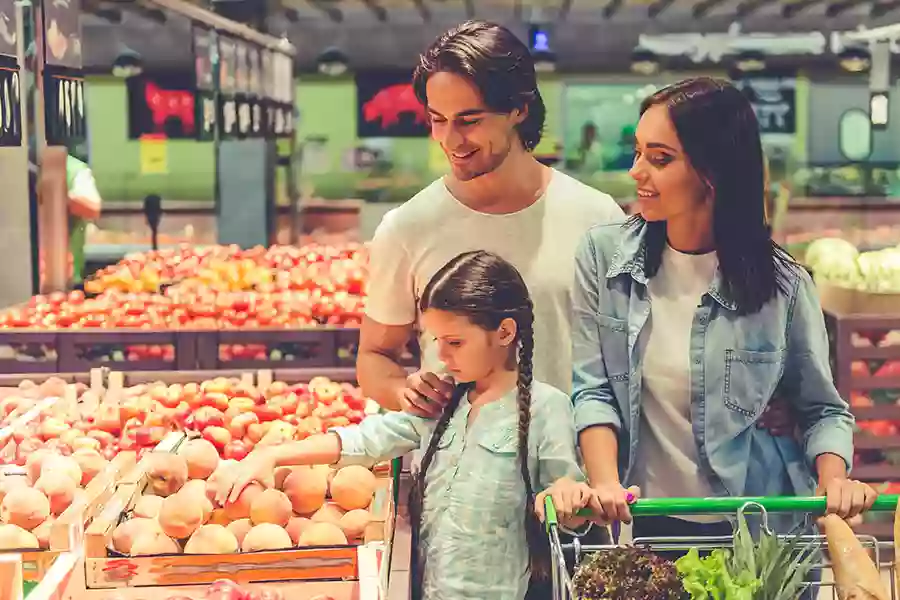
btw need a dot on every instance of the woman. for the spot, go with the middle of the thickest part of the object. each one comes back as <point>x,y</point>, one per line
<point>688,318</point>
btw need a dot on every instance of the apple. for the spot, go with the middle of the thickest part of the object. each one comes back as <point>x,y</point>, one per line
<point>219,436</point>
<point>241,404</point>
<point>206,416</point>
<point>236,449</point>
<point>216,400</point>
<point>239,424</point>
<point>267,412</point>
<point>326,392</point>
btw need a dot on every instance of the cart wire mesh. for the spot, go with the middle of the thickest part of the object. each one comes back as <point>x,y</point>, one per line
<point>820,588</point>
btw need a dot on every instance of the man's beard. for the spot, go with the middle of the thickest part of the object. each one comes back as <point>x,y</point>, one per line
<point>492,163</point>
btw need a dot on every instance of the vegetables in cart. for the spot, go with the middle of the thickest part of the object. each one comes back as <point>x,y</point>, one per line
<point>770,569</point>
<point>628,573</point>
<point>855,575</point>
<point>711,577</point>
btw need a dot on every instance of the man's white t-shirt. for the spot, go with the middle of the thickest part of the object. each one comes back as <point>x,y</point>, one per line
<point>419,237</point>
<point>667,465</point>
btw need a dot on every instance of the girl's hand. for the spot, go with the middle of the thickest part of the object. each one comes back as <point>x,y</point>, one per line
<point>569,496</point>
<point>847,498</point>
<point>257,466</point>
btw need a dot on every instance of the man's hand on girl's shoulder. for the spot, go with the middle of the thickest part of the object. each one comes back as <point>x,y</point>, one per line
<point>426,394</point>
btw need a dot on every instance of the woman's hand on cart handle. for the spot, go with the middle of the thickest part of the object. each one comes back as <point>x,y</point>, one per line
<point>569,497</point>
<point>613,502</point>
<point>847,498</point>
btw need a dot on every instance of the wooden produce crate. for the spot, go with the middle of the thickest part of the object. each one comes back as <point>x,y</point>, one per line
<point>138,349</point>
<point>54,583</point>
<point>865,362</point>
<point>105,568</point>
<point>277,348</point>
<point>28,351</point>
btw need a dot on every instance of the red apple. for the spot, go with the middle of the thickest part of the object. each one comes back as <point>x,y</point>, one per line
<point>238,425</point>
<point>219,436</point>
<point>236,449</point>
<point>241,404</point>
<point>216,400</point>
<point>267,412</point>
<point>206,416</point>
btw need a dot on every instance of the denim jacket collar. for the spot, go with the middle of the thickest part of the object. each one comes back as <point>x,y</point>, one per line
<point>630,256</point>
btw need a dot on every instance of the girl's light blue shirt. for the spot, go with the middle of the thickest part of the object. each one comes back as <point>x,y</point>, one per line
<point>473,529</point>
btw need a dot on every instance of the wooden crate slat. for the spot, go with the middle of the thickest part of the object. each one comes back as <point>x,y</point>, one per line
<point>869,442</point>
<point>874,383</point>
<point>888,412</point>
<point>876,473</point>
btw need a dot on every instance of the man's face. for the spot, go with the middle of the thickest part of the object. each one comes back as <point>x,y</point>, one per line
<point>475,140</point>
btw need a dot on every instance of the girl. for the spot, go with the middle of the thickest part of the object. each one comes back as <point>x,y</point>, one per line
<point>501,437</point>
<point>688,319</point>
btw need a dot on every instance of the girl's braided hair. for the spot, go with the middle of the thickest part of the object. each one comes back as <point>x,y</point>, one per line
<point>485,289</point>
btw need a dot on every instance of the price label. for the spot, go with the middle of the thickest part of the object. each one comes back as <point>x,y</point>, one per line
<point>257,118</point>
<point>244,118</point>
<point>229,117</point>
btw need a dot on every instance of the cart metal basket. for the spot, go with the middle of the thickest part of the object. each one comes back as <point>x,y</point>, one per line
<point>823,589</point>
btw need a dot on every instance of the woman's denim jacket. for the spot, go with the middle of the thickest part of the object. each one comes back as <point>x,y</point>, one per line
<point>737,364</point>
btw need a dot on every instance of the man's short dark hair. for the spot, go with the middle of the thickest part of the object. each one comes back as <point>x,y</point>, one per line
<point>497,63</point>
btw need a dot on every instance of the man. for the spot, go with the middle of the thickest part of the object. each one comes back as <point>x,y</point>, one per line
<point>478,84</point>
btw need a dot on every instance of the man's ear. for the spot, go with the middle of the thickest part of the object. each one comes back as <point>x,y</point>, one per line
<point>519,114</point>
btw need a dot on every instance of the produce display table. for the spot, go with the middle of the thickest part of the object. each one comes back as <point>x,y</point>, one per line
<point>77,564</point>
<point>865,362</point>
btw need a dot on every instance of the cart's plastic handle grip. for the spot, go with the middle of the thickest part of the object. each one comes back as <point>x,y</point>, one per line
<point>661,507</point>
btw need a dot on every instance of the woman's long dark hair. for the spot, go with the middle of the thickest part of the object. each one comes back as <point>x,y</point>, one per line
<point>719,133</point>
<point>485,289</point>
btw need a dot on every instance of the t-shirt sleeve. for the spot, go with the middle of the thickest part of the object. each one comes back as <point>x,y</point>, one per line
<point>391,295</point>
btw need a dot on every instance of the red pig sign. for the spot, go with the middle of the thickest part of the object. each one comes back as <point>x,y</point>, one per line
<point>388,107</point>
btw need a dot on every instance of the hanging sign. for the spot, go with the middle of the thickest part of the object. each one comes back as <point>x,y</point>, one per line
<point>62,33</point>
<point>773,100</point>
<point>255,95</point>
<point>203,64</point>
<point>281,105</point>
<point>64,110</point>
<point>154,155</point>
<point>227,116</point>
<point>10,109</point>
<point>7,28</point>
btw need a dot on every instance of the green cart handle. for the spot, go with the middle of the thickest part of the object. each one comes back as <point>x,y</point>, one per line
<point>661,507</point>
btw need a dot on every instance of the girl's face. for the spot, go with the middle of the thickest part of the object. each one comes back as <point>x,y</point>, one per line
<point>668,187</point>
<point>469,352</point>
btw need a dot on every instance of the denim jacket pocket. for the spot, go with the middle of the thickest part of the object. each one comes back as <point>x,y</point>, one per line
<point>750,379</point>
<point>614,346</point>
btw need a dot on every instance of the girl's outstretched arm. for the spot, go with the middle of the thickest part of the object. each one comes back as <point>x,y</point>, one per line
<point>377,438</point>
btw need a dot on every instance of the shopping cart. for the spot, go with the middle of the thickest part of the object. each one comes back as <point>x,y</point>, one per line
<point>882,554</point>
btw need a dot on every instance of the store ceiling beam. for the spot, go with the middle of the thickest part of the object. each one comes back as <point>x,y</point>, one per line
<point>376,9</point>
<point>658,7</point>
<point>792,9</point>
<point>332,12</point>
<point>470,8</point>
<point>882,9</point>
<point>424,11</point>
<point>220,23</point>
<point>564,8</point>
<point>704,7</point>
<point>836,8</point>
<point>749,7</point>
<point>611,8</point>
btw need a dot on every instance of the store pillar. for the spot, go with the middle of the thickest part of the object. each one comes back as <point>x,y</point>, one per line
<point>246,184</point>
<point>16,277</point>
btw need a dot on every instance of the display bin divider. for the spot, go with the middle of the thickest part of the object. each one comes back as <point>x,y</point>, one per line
<point>71,346</point>
<point>18,338</point>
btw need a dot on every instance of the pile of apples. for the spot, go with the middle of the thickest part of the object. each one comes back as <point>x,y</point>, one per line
<point>31,502</point>
<point>220,287</point>
<point>232,415</point>
<point>235,417</point>
<point>178,512</point>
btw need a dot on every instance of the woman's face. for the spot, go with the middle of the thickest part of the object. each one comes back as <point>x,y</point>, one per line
<point>668,187</point>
